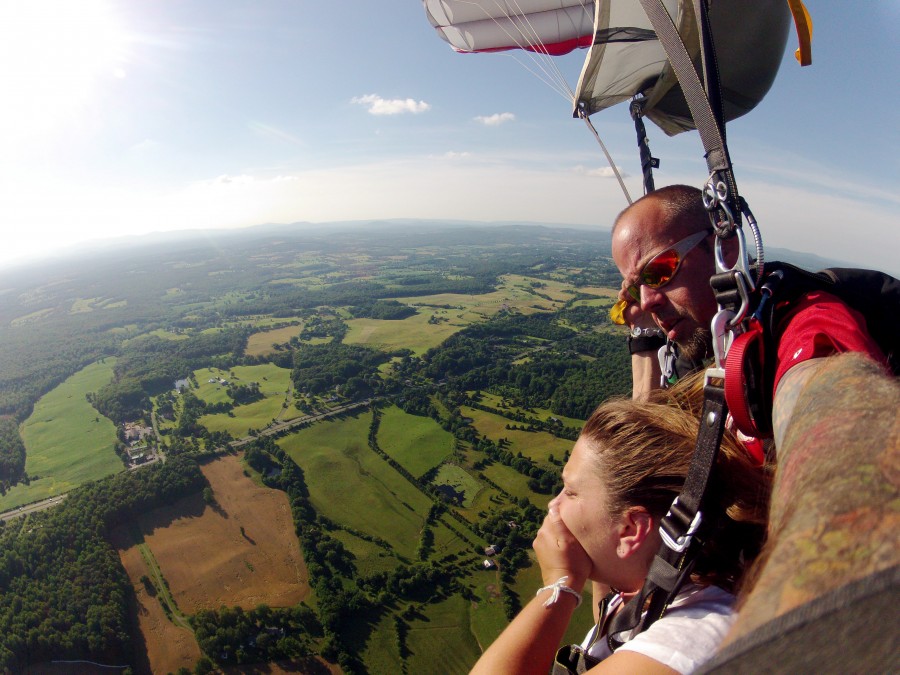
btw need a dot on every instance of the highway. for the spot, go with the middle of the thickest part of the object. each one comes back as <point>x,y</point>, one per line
<point>32,508</point>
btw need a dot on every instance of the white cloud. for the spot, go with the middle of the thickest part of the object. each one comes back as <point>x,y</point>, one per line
<point>496,119</point>
<point>226,180</point>
<point>390,106</point>
<point>451,154</point>
<point>601,172</point>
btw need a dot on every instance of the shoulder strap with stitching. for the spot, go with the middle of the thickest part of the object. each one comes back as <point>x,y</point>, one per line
<point>681,528</point>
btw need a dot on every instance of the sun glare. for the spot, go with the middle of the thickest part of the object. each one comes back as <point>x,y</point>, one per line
<point>53,56</point>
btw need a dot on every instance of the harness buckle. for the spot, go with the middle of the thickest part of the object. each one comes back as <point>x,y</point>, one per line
<point>681,542</point>
<point>721,336</point>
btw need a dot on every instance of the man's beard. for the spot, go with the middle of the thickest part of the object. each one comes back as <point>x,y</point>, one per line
<point>698,346</point>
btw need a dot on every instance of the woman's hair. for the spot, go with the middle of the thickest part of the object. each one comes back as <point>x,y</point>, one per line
<point>644,449</point>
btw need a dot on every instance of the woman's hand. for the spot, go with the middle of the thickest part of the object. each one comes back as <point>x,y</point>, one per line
<point>559,554</point>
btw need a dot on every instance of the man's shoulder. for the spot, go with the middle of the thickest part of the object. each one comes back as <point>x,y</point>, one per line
<point>855,306</point>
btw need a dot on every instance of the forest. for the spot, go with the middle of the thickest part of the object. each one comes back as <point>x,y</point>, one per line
<point>63,592</point>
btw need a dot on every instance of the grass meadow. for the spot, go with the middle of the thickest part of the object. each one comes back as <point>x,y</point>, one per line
<point>453,312</point>
<point>536,445</point>
<point>67,441</point>
<point>543,414</point>
<point>274,383</point>
<point>417,443</point>
<point>263,342</point>
<point>461,481</point>
<point>514,483</point>
<point>442,636</point>
<point>414,333</point>
<point>369,557</point>
<point>350,484</point>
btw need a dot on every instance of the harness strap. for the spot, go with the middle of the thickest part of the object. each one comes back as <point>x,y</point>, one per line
<point>746,389</point>
<point>648,161</point>
<point>681,528</point>
<point>695,96</point>
<point>707,115</point>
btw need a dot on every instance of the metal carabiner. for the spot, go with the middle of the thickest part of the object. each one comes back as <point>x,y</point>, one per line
<point>722,327</point>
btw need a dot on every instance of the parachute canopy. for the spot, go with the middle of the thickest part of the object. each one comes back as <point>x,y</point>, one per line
<point>626,59</point>
<point>552,27</point>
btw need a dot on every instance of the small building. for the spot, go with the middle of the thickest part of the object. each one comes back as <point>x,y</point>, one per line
<point>488,564</point>
<point>493,549</point>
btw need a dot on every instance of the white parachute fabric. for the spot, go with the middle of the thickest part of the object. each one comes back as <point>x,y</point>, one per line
<point>551,27</point>
<point>626,59</point>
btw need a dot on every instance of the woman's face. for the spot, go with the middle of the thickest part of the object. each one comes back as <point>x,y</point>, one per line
<point>582,506</point>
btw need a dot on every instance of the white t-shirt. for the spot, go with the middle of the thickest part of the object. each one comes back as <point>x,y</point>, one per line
<point>687,636</point>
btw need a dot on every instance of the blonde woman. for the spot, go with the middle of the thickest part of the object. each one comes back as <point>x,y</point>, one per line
<point>627,466</point>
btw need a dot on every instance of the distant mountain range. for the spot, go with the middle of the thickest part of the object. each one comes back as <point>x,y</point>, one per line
<point>125,244</point>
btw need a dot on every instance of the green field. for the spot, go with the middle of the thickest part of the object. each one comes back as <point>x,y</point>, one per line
<point>515,484</point>
<point>352,485</point>
<point>263,342</point>
<point>369,557</point>
<point>488,619</point>
<point>274,383</point>
<point>67,441</point>
<point>461,481</point>
<point>443,636</point>
<point>536,445</point>
<point>413,333</point>
<point>417,443</point>
<point>419,334</point>
<point>494,401</point>
<point>447,541</point>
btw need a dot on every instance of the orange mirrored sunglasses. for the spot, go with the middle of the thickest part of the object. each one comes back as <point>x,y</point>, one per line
<point>658,271</point>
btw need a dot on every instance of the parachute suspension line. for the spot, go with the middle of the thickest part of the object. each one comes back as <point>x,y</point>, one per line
<point>551,76</point>
<point>543,65</point>
<point>609,159</point>
<point>548,65</point>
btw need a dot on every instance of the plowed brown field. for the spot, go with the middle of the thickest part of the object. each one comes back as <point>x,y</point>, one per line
<point>240,552</point>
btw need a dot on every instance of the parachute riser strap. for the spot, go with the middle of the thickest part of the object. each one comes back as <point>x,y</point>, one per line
<point>709,63</point>
<point>707,119</point>
<point>648,161</point>
<point>682,528</point>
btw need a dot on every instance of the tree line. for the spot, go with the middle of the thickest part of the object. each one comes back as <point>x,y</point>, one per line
<point>63,591</point>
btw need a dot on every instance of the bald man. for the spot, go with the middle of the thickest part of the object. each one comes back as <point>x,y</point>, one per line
<point>664,249</point>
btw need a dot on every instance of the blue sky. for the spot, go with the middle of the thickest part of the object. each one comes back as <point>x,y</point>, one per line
<point>123,118</point>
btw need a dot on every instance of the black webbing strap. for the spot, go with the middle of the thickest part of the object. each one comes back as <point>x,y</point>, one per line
<point>648,161</point>
<point>680,526</point>
<point>709,64</point>
<point>707,116</point>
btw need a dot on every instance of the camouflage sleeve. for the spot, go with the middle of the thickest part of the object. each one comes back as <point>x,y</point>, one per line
<point>834,514</point>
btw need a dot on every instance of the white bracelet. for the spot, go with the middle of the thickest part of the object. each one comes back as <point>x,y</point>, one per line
<point>560,585</point>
